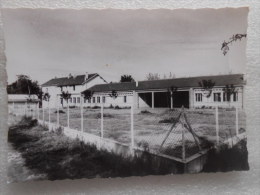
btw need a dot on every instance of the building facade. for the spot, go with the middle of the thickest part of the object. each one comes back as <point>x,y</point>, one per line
<point>159,93</point>
<point>74,85</point>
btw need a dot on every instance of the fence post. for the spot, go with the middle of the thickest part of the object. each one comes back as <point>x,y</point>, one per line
<point>68,114</point>
<point>132,121</point>
<point>38,111</point>
<point>102,119</point>
<point>49,112</point>
<point>183,145</point>
<point>81,113</point>
<point>217,126</point>
<point>58,112</point>
<point>237,132</point>
<point>43,118</point>
<point>25,109</point>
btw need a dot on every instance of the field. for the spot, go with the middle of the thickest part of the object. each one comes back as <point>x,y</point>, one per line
<point>151,126</point>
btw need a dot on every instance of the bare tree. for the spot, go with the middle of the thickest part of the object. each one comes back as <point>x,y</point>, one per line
<point>152,76</point>
<point>207,85</point>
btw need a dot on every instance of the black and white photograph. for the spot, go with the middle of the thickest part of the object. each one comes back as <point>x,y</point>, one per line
<point>105,93</point>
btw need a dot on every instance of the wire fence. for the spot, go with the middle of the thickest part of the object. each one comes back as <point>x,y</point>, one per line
<point>179,133</point>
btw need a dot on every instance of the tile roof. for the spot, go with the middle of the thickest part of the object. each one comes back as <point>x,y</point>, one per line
<point>220,80</point>
<point>69,81</point>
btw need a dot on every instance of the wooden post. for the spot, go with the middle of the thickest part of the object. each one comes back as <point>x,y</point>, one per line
<point>102,120</point>
<point>152,100</point>
<point>217,126</point>
<point>237,132</point>
<point>81,113</point>
<point>132,121</point>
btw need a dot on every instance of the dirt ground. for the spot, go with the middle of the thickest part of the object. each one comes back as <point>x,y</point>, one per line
<point>151,126</point>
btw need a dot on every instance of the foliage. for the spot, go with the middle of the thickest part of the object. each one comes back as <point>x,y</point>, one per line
<point>229,90</point>
<point>46,96</point>
<point>225,47</point>
<point>207,85</point>
<point>65,95</point>
<point>23,85</point>
<point>126,78</point>
<point>152,76</point>
<point>87,94</point>
<point>113,94</point>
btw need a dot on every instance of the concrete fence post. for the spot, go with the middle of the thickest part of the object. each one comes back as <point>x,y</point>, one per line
<point>68,114</point>
<point>102,120</point>
<point>217,125</point>
<point>58,112</point>
<point>237,132</point>
<point>132,121</point>
<point>183,145</point>
<point>38,111</point>
<point>43,118</point>
<point>81,114</point>
<point>49,117</point>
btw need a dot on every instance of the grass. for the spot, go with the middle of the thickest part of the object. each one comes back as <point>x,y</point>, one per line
<point>59,157</point>
<point>152,126</point>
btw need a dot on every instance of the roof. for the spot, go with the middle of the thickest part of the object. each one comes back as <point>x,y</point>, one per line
<point>21,98</point>
<point>220,80</point>
<point>69,81</point>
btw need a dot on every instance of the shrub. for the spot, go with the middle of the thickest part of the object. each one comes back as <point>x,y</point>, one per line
<point>117,107</point>
<point>60,111</point>
<point>95,107</point>
<point>145,112</point>
<point>72,106</point>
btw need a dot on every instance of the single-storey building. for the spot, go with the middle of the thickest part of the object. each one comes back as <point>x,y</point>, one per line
<point>20,102</point>
<point>170,93</point>
<point>73,84</point>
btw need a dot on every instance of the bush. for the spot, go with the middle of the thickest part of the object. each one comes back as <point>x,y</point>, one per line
<point>168,120</point>
<point>145,112</point>
<point>72,106</point>
<point>117,107</point>
<point>60,111</point>
<point>95,107</point>
<point>105,115</point>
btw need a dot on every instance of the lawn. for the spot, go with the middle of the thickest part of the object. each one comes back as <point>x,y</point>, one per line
<point>151,126</point>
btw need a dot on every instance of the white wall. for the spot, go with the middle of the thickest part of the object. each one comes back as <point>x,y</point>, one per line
<point>209,102</point>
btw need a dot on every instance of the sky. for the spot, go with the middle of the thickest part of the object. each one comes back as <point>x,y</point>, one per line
<point>44,44</point>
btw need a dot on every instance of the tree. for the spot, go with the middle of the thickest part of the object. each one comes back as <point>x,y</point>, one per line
<point>113,94</point>
<point>207,85</point>
<point>172,92</point>
<point>66,96</point>
<point>23,85</point>
<point>126,78</point>
<point>87,94</point>
<point>152,76</point>
<point>228,91</point>
<point>225,47</point>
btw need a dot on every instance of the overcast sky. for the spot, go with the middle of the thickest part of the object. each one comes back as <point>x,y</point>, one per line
<point>46,43</point>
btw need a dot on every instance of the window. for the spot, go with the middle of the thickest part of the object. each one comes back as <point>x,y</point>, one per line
<point>98,99</point>
<point>94,100</point>
<point>70,100</point>
<point>235,97</point>
<point>217,97</point>
<point>85,100</point>
<point>73,87</point>
<point>198,97</point>
<point>89,100</point>
<point>74,100</point>
<point>61,101</point>
<point>125,99</point>
<point>78,99</point>
<point>104,99</point>
<point>61,88</point>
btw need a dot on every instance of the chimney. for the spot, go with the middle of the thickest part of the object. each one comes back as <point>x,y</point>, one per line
<point>136,83</point>
<point>86,75</point>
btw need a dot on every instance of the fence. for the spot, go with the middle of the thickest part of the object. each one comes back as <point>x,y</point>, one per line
<point>179,133</point>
